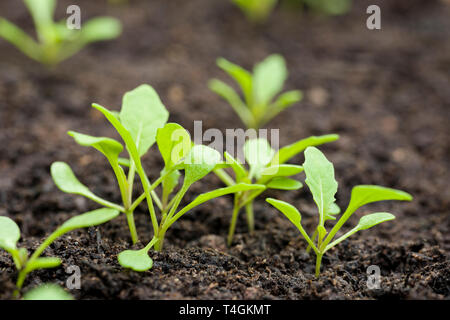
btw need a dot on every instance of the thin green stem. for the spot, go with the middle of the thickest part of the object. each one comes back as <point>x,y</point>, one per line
<point>340,239</point>
<point>318,264</point>
<point>132,226</point>
<point>225,177</point>
<point>250,217</point>
<point>313,238</point>
<point>233,221</point>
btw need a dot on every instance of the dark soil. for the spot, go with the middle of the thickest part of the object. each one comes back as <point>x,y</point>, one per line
<point>385,92</point>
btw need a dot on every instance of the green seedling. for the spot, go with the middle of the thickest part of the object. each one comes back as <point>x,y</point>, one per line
<point>259,90</point>
<point>323,186</point>
<point>267,168</point>
<point>329,7</point>
<point>10,235</point>
<point>141,115</point>
<point>56,42</point>
<point>256,11</point>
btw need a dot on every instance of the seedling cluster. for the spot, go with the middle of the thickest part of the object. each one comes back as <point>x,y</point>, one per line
<point>55,42</point>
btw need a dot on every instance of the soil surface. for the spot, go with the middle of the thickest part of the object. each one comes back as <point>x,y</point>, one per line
<point>386,93</point>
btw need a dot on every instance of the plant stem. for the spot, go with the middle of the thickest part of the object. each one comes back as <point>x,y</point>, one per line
<point>132,226</point>
<point>318,263</point>
<point>250,217</point>
<point>313,238</point>
<point>225,177</point>
<point>233,222</point>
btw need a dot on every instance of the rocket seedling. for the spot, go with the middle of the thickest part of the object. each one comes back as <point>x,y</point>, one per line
<point>266,167</point>
<point>259,90</point>
<point>10,235</point>
<point>323,186</point>
<point>56,42</point>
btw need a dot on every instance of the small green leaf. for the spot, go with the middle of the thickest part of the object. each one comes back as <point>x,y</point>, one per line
<point>174,143</point>
<point>47,292</point>
<point>290,151</point>
<point>42,11</point>
<point>137,260</point>
<point>170,181</point>
<point>66,181</point>
<point>370,220</point>
<point>89,219</point>
<point>124,162</point>
<point>99,29</point>
<point>110,148</point>
<point>332,211</point>
<point>239,74</point>
<point>43,263</point>
<point>200,161</point>
<point>364,194</point>
<point>268,78</point>
<point>288,210</point>
<point>283,170</point>
<point>283,183</point>
<point>320,180</point>
<point>237,167</point>
<point>258,154</point>
<point>287,99</point>
<point>142,114</point>
<point>9,234</point>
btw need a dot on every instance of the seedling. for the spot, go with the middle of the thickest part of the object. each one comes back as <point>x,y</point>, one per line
<point>256,11</point>
<point>259,90</point>
<point>267,168</point>
<point>10,235</point>
<point>56,42</point>
<point>323,186</point>
<point>47,291</point>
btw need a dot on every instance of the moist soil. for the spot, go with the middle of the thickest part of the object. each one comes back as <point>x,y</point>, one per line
<point>384,91</point>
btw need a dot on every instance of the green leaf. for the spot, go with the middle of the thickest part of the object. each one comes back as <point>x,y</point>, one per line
<point>142,114</point>
<point>42,11</point>
<point>66,181</point>
<point>16,36</point>
<point>47,292</point>
<point>137,260</point>
<point>200,161</point>
<point>283,170</point>
<point>237,167</point>
<point>174,143</point>
<point>287,99</point>
<point>240,187</point>
<point>100,28</point>
<point>364,194</point>
<point>287,152</point>
<point>268,78</point>
<point>43,263</point>
<point>88,219</point>
<point>283,183</point>
<point>258,154</point>
<point>332,211</point>
<point>240,75</point>
<point>229,95</point>
<point>320,180</point>
<point>170,181</point>
<point>370,220</point>
<point>124,162</point>
<point>110,148</point>
<point>288,210</point>
<point>9,234</point>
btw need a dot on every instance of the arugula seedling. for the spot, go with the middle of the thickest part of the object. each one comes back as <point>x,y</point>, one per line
<point>141,115</point>
<point>56,42</point>
<point>256,11</point>
<point>323,186</point>
<point>259,90</point>
<point>10,235</point>
<point>267,168</point>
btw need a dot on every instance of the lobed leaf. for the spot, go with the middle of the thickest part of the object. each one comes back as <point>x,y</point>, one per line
<point>142,114</point>
<point>258,154</point>
<point>9,234</point>
<point>268,78</point>
<point>320,180</point>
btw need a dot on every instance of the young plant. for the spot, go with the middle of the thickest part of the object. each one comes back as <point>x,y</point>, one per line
<point>141,115</point>
<point>259,90</point>
<point>56,42</point>
<point>48,291</point>
<point>267,168</point>
<point>256,11</point>
<point>25,263</point>
<point>323,186</point>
